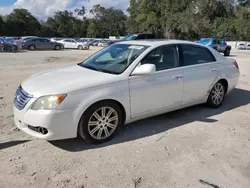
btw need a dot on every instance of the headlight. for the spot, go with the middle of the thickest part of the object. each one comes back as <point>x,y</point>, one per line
<point>48,102</point>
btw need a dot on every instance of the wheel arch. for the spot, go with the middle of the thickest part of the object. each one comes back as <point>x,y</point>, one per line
<point>124,114</point>
<point>225,83</point>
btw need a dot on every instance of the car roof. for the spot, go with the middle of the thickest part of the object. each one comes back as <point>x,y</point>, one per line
<point>155,43</point>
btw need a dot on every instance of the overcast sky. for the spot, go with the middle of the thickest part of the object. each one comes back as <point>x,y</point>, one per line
<point>44,8</point>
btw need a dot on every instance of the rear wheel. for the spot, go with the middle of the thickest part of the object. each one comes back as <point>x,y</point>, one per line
<point>57,47</point>
<point>217,95</point>
<point>227,52</point>
<point>32,47</point>
<point>100,122</point>
<point>80,47</point>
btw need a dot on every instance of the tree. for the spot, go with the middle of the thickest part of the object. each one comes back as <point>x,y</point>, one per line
<point>2,25</point>
<point>131,24</point>
<point>108,21</point>
<point>81,12</point>
<point>63,23</point>
<point>20,23</point>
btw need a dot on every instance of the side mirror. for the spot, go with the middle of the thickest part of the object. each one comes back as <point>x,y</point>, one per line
<point>144,69</point>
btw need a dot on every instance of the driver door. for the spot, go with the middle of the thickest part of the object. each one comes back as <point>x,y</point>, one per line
<point>160,90</point>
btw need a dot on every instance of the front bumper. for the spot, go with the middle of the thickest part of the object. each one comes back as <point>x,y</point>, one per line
<point>59,123</point>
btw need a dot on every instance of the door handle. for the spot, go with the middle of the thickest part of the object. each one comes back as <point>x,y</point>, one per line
<point>178,77</point>
<point>213,70</point>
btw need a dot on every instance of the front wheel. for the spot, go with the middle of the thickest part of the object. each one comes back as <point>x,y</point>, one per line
<point>100,122</point>
<point>217,95</point>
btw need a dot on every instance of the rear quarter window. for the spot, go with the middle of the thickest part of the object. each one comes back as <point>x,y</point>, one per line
<point>193,55</point>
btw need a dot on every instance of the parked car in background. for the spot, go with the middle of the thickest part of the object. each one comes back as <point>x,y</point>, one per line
<point>7,47</point>
<point>218,44</point>
<point>136,36</point>
<point>120,84</point>
<point>95,42</point>
<point>102,43</point>
<point>22,40</point>
<point>74,44</point>
<point>41,44</point>
<point>55,39</point>
<point>248,47</point>
<point>242,46</point>
<point>85,41</point>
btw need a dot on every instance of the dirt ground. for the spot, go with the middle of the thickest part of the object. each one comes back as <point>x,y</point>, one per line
<point>195,147</point>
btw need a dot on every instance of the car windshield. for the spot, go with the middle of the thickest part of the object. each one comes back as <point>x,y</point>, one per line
<point>114,59</point>
<point>130,37</point>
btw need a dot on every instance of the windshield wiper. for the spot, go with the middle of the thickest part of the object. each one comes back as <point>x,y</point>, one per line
<point>90,67</point>
<point>97,69</point>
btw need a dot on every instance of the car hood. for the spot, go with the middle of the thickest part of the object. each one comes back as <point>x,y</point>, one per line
<point>65,80</point>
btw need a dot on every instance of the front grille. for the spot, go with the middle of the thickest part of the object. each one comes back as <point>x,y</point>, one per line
<point>21,98</point>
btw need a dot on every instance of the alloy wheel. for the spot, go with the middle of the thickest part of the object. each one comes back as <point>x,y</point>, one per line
<point>103,122</point>
<point>218,93</point>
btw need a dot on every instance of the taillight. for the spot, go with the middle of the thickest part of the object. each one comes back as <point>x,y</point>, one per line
<point>236,65</point>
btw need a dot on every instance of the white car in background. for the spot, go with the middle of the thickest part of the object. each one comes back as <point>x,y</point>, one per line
<point>122,83</point>
<point>55,39</point>
<point>102,43</point>
<point>74,44</point>
<point>242,46</point>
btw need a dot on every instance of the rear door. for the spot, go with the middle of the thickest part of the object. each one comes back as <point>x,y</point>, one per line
<point>199,73</point>
<point>45,44</point>
<point>67,43</point>
<point>222,45</point>
<point>73,44</point>
<point>39,44</point>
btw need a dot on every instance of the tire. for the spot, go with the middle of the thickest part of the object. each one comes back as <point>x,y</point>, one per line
<point>57,47</point>
<point>227,52</point>
<point>103,129</point>
<point>6,48</point>
<point>80,47</point>
<point>32,48</point>
<point>14,49</point>
<point>217,95</point>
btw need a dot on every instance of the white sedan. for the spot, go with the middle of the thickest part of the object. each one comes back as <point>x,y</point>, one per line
<point>120,84</point>
<point>102,43</point>
<point>74,44</point>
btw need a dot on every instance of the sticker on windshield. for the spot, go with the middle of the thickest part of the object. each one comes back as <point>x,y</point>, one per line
<point>136,47</point>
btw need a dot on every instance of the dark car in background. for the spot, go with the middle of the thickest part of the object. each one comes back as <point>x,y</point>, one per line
<point>6,46</point>
<point>136,36</point>
<point>41,44</point>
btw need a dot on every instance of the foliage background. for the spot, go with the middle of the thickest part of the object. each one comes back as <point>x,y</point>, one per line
<point>180,19</point>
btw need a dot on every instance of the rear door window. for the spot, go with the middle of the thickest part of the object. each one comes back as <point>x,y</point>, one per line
<point>193,55</point>
<point>43,40</point>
